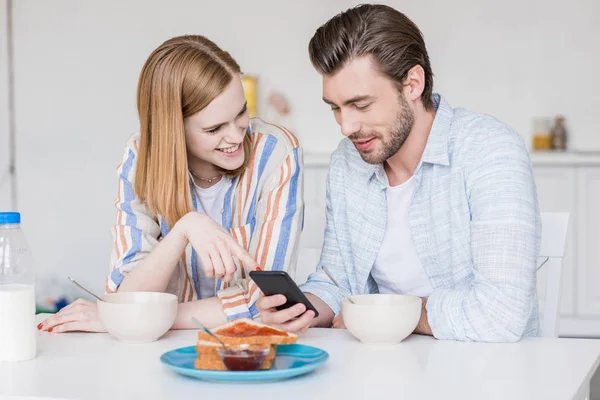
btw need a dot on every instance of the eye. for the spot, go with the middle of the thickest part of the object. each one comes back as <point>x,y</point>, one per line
<point>214,130</point>
<point>244,110</point>
<point>361,106</point>
<point>334,108</point>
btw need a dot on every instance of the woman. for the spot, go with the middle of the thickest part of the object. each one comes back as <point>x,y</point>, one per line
<point>205,194</point>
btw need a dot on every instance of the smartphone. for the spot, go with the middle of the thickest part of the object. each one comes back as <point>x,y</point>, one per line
<point>279,282</point>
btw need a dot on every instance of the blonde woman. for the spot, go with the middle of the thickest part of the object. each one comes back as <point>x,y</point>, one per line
<point>205,193</point>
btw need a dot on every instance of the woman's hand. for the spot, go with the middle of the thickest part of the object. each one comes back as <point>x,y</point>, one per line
<point>214,245</point>
<point>81,315</point>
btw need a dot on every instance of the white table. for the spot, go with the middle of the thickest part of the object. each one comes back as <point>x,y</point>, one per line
<point>96,366</point>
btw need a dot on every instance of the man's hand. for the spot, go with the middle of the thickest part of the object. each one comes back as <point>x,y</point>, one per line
<point>295,318</point>
<point>338,322</point>
<point>423,327</point>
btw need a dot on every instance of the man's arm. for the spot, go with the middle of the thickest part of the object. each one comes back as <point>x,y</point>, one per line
<point>319,289</point>
<point>325,318</point>
<point>319,284</point>
<point>497,301</point>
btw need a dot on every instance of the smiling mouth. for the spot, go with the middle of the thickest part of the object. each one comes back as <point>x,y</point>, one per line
<point>364,145</point>
<point>361,142</point>
<point>231,149</point>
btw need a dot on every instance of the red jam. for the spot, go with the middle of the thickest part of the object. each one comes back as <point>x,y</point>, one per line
<point>246,359</point>
<point>243,330</point>
<point>250,362</point>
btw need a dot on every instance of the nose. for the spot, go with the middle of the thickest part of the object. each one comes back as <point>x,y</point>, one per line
<point>233,134</point>
<point>349,123</point>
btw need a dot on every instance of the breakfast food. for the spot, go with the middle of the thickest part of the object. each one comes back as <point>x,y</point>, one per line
<point>246,337</point>
<point>245,357</point>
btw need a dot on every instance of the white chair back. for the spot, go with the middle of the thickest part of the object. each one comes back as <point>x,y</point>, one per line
<point>552,251</point>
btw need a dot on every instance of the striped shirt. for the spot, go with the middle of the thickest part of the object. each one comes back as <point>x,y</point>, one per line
<point>263,210</point>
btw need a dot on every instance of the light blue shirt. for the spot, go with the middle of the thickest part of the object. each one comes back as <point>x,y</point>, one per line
<point>475,222</point>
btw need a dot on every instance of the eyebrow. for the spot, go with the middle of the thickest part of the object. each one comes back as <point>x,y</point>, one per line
<point>355,99</point>
<point>215,126</point>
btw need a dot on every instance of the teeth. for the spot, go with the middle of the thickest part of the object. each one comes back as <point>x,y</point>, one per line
<point>230,149</point>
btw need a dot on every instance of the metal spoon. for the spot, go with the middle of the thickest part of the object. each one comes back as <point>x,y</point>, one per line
<point>81,287</point>
<point>205,329</point>
<point>332,279</point>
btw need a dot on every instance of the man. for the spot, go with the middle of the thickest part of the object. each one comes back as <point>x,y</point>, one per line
<point>422,199</point>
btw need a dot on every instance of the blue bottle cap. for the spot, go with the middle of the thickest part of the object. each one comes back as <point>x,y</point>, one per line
<point>10,218</point>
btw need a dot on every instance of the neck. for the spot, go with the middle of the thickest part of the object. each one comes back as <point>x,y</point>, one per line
<point>203,171</point>
<point>402,165</point>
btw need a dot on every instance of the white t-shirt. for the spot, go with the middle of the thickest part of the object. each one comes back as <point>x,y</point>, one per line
<point>210,202</point>
<point>397,268</point>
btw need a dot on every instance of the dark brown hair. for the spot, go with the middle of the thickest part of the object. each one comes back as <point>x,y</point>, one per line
<point>386,34</point>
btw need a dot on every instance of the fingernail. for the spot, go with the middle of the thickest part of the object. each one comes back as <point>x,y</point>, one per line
<point>49,329</point>
<point>39,327</point>
<point>258,268</point>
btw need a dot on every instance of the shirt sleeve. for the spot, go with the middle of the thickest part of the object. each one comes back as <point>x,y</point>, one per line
<point>496,305</point>
<point>274,242</point>
<point>318,282</point>
<point>136,230</point>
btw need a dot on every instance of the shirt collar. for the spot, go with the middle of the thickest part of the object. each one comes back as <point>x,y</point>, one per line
<point>436,150</point>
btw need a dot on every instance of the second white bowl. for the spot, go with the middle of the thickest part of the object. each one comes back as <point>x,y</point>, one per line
<point>381,318</point>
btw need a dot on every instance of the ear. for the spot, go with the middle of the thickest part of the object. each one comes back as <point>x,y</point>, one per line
<point>414,83</point>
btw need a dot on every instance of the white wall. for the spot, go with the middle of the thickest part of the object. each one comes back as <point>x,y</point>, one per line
<point>5,191</point>
<point>77,65</point>
<point>518,59</point>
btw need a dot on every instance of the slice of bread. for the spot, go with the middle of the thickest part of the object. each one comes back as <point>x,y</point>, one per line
<point>240,331</point>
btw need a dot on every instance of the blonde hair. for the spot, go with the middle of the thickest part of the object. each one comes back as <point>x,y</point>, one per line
<point>181,77</point>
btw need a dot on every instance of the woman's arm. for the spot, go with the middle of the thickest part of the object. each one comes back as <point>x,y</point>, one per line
<point>141,263</point>
<point>274,242</point>
<point>213,244</point>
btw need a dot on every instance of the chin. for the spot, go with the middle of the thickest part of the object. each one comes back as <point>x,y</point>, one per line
<point>372,156</point>
<point>230,165</point>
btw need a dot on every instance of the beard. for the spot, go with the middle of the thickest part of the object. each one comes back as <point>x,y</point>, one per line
<point>392,140</point>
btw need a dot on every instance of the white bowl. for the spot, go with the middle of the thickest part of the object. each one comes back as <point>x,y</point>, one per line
<point>137,317</point>
<point>381,318</point>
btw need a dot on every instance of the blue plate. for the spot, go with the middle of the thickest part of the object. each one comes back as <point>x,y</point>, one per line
<point>291,360</point>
